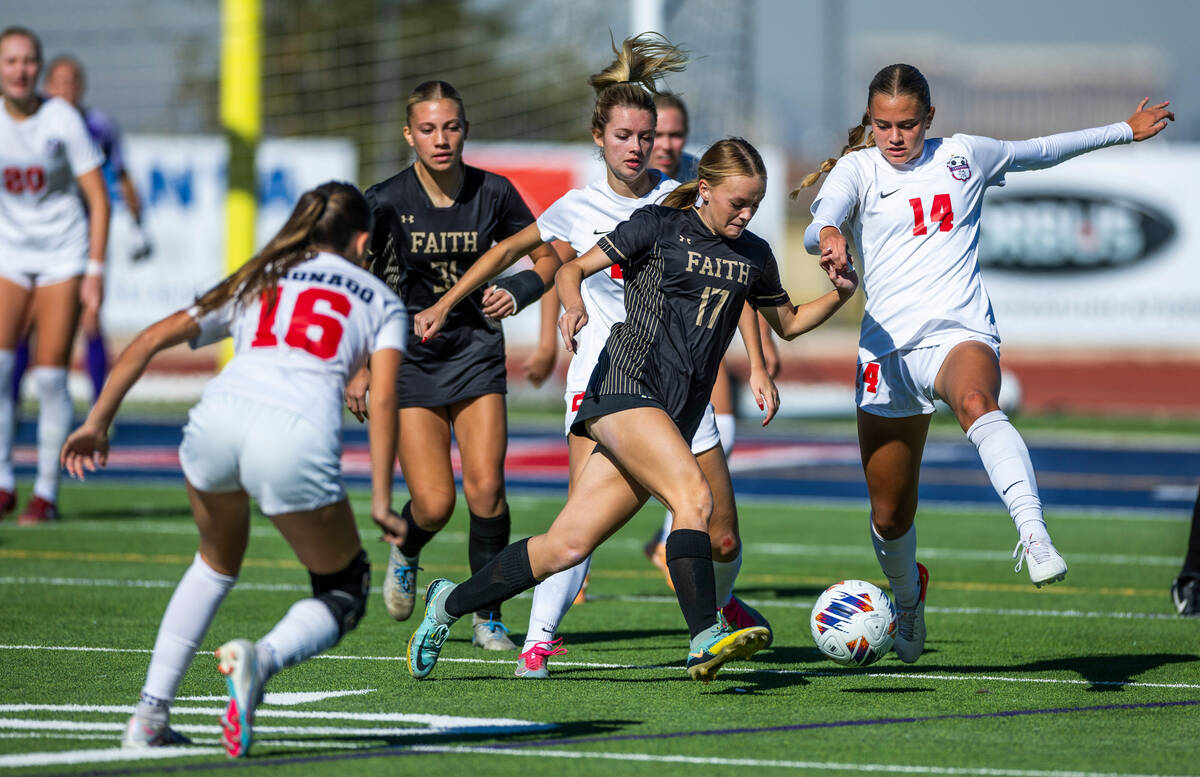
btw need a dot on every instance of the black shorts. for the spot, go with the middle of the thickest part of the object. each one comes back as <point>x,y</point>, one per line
<point>455,365</point>
<point>686,417</point>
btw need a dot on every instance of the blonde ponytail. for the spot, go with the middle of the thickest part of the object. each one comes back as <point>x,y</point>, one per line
<point>683,196</point>
<point>860,137</point>
<point>631,79</point>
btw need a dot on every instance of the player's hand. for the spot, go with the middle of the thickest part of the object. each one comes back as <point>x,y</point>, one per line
<point>498,303</point>
<point>834,254</point>
<point>356,394</point>
<point>429,322</point>
<point>764,392</point>
<point>395,530</point>
<point>91,293</point>
<point>1148,122</point>
<point>539,365</point>
<point>84,451</point>
<point>845,281</point>
<point>569,323</point>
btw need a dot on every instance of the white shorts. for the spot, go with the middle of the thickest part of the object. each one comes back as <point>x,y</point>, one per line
<point>45,276</point>
<point>900,384</point>
<point>283,460</point>
<point>706,435</point>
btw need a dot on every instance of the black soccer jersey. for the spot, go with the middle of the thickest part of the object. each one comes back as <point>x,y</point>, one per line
<point>684,290</point>
<point>420,251</point>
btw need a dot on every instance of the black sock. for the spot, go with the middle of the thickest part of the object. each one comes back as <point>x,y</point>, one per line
<point>505,576</point>
<point>488,537</point>
<point>689,557</point>
<point>417,537</point>
<point>1191,562</point>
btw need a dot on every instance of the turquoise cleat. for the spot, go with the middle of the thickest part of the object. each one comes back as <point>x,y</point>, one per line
<point>425,644</point>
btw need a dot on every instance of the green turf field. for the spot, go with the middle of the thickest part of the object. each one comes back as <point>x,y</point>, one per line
<point>1090,676</point>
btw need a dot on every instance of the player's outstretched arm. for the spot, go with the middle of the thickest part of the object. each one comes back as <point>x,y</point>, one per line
<point>513,293</point>
<point>87,447</point>
<point>430,321</point>
<point>381,434</point>
<point>790,321</point>
<point>568,282</point>
<point>1148,122</point>
<point>762,387</point>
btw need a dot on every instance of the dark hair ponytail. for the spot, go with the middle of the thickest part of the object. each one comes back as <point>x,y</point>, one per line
<point>328,216</point>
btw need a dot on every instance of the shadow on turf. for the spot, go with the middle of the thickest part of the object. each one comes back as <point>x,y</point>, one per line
<point>1106,673</point>
<point>779,592</point>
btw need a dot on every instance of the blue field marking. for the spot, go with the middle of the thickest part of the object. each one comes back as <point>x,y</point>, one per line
<point>1098,476</point>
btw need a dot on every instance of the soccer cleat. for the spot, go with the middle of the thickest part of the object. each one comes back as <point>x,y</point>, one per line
<point>710,650</point>
<point>581,597</point>
<point>656,552</point>
<point>910,623</point>
<point>1045,564</point>
<point>740,615</point>
<point>491,634</point>
<point>141,733</point>
<point>425,644</point>
<point>1185,593</point>
<point>8,502</point>
<point>238,661</point>
<point>532,663</point>
<point>38,511</point>
<point>400,584</point>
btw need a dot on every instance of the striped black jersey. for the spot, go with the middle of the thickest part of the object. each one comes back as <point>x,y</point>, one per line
<point>685,286</point>
<point>421,250</point>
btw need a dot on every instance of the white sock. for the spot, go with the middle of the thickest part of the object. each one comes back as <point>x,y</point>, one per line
<point>7,425</point>
<point>727,429</point>
<point>668,522</point>
<point>898,560</point>
<point>307,629</point>
<point>551,599</point>
<point>726,573</point>
<point>1006,460</point>
<point>183,626</point>
<point>54,424</point>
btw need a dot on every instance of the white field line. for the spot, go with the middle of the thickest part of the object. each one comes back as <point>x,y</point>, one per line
<point>434,722</point>
<point>89,582</point>
<point>106,755</point>
<point>824,766</point>
<point>21,724</point>
<point>655,667</point>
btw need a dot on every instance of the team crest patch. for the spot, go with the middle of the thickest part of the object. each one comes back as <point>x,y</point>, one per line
<point>959,168</point>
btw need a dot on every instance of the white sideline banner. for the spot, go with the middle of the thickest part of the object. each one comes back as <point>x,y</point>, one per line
<point>182,183</point>
<point>1100,251</point>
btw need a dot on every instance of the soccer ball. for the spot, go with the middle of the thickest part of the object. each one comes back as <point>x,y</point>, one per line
<point>853,623</point>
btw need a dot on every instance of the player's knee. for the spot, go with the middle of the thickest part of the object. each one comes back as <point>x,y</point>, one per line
<point>725,545</point>
<point>345,592</point>
<point>891,524</point>
<point>431,509</point>
<point>485,495</point>
<point>565,554</point>
<point>972,405</point>
<point>693,503</point>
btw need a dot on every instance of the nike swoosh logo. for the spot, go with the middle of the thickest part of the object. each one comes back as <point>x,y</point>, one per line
<point>1005,491</point>
<point>887,194</point>
<point>696,655</point>
<point>601,231</point>
<point>418,663</point>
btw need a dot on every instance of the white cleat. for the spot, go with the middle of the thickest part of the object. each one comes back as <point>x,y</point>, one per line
<point>400,584</point>
<point>910,624</point>
<point>1045,564</point>
<point>490,634</point>
<point>141,733</point>
<point>238,662</point>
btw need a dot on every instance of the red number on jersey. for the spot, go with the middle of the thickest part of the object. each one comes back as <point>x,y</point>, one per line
<point>615,271</point>
<point>870,377</point>
<point>31,179</point>
<point>304,316</point>
<point>577,400</point>
<point>941,213</point>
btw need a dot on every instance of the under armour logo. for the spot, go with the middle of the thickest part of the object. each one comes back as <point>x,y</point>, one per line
<point>683,239</point>
<point>407,219</point>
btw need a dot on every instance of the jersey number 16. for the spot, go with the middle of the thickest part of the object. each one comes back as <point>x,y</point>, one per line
<point>304,317</point>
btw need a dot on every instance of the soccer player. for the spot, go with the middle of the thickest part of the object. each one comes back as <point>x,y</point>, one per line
<point>51,255</point>
<point>1185,591</point>
<point>688,271</point>
<point>623,124</point>
<point>303,315</point>
<point>913,206</point>
<point>668,157</point>
<point>431,221</point>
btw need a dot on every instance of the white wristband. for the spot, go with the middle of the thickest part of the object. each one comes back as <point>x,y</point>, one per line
<point>94,269</point>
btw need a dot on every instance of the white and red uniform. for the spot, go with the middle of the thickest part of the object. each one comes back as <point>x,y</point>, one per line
<point>916,227</point>
<point>43,226</point>
<point>581,217</point>
<point>271,422</point>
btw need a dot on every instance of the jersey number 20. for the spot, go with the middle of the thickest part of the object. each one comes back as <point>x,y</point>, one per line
<point>304,317</point>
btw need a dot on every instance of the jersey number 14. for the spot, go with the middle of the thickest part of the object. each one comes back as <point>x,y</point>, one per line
<point>942,213</point>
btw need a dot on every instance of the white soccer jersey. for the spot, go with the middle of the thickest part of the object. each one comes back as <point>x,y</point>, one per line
<point>917,229</point>
<point>329,316</point>
<point>580,217</point>
<point>42,221</point>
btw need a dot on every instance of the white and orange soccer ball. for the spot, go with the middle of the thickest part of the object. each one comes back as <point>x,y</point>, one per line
<point>853,623</point>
